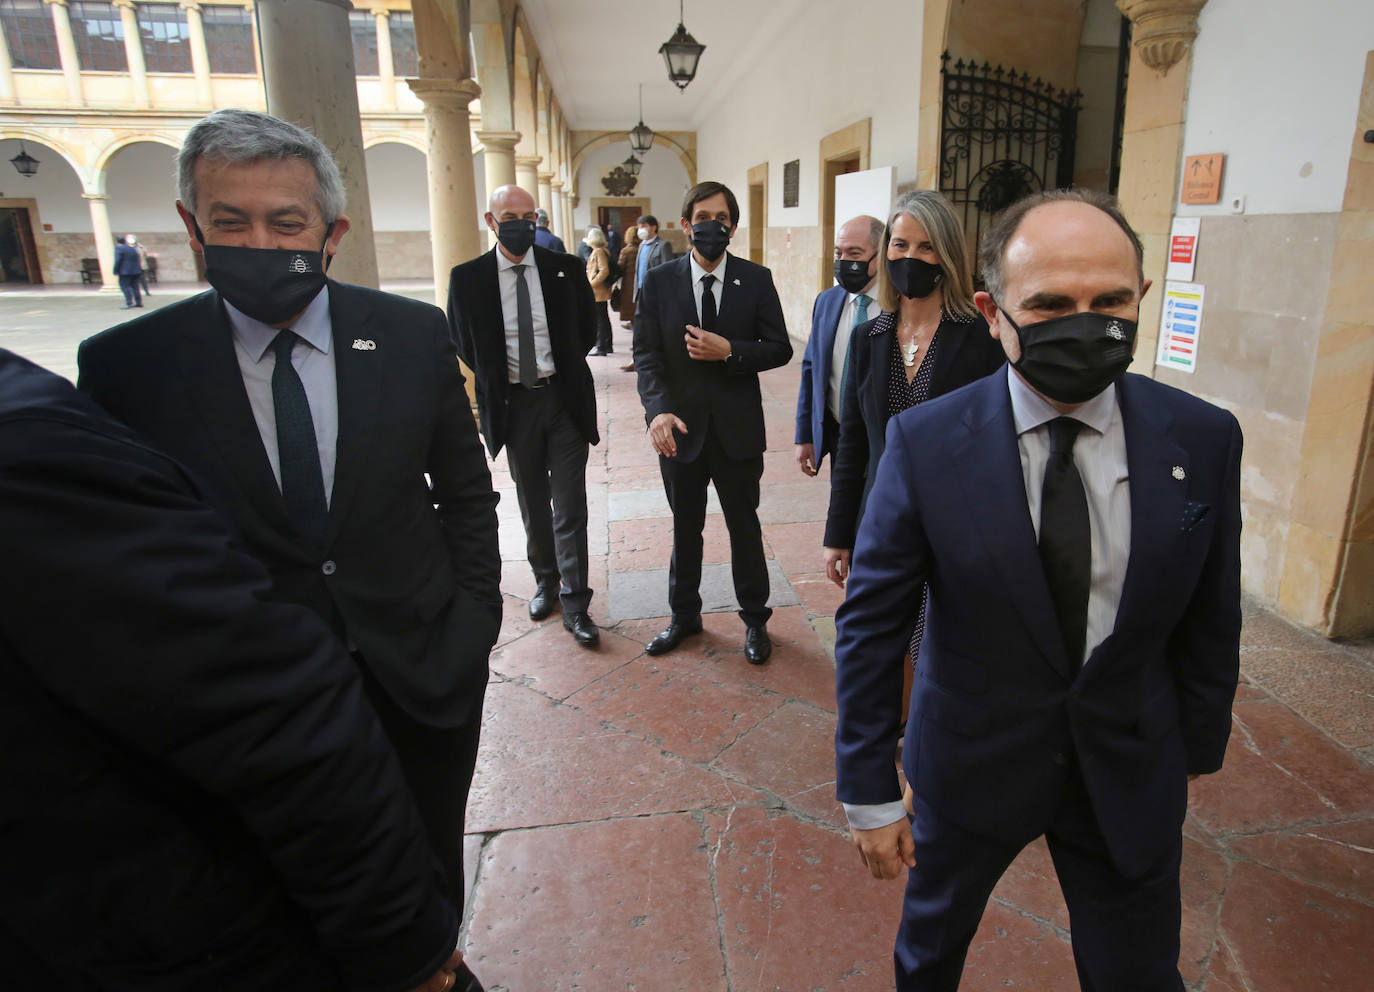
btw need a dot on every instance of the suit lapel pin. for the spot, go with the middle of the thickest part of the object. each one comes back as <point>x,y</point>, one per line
<point>736,282</point>
<point>360,345</point>
<point>1179,474</point>
<point>561,274</point>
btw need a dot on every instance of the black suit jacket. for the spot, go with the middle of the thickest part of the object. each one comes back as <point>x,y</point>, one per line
<point>410,573</point>
<point>967,352</point>
<point>479,332</point>
<point>723,396</point>
<point>194,792</point>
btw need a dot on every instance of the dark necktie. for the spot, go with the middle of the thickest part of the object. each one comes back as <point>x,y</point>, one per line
<point>302,482</point>
<point>708,303</point>
<point>1066,538</point>
<point>524,322</point>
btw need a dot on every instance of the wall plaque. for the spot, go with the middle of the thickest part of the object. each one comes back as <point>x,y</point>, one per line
<point>791,183</point>
<point>1202,178</point>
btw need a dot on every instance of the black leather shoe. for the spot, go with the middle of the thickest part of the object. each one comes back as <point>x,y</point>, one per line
<point>757,645</point>
<point>542,603</point>
<point>583,630</point>
<point>676,632</point>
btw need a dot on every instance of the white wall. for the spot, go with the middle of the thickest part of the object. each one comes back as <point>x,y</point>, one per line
<point>663,180</point>
<point>55,186</point>
<point>823,72</point>
<point>1276,87</point>
<point>398,183</point>
<point>141,182</point>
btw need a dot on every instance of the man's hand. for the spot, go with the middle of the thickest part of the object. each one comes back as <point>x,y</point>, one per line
<point>887,850</point>
<point>837,565</point>
<point>705,346</point>
<point>443,979</point>
<point>661,433</point>
<point>806,458</point>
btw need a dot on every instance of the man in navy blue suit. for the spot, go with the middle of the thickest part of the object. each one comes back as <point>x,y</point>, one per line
<point>835,314</point>
<point>1080,532</point>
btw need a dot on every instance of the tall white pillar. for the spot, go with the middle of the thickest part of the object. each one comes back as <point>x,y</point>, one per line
<point>6,71</point>
<point>320,92</point>
<point>133,52</point>
<point>200,55</point>
<point>66,50</point>
<point>104,242</point>
<point>545,191</point>
<point>527,173</point>
<point>452,186</point>
<point>386,70</point>
<point>556,211</point>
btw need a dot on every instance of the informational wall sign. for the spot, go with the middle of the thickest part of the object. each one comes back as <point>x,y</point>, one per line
<point>791,183</point>
<point>1183,248</point>
<point>1180,326</point>
<point>1202,178</point>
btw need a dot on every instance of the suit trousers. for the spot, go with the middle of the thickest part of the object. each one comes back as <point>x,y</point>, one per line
<point>438,763</point>
<point>1125,931</point>
<point>737,484</point>
<point>603,328</point>
<point>548,461</point>
<point>129,285</point>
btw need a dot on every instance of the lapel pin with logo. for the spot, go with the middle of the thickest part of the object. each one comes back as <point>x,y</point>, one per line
<point>736,282</point>
<point>360,345</point>
<point>1178,473</point>
<point>561,274</point>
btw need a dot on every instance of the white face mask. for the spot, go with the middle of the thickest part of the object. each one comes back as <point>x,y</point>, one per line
<point>643,234</point>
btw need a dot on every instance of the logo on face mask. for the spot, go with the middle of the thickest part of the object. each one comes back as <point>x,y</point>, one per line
<point>299,265</point>
<point>271,285</point>
<point>1073,358</point>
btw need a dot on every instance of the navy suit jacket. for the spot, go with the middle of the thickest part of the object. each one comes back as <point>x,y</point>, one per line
<point>995,712</point>
<point>127,262</point>
<point>721,396</point>
<point>815,370</point>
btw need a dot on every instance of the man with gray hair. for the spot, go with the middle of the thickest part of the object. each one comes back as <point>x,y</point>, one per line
<point>835,314</point>
<point>329,424</point>
<point>544,237</point>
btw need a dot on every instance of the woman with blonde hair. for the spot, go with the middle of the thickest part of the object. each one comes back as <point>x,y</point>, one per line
<point>599,275</point>
<point>929,340</point>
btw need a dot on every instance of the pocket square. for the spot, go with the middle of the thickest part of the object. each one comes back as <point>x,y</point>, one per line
<point>1193,512</point>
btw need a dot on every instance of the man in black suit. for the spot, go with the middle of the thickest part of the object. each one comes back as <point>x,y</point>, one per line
<point>523,319</point>
<point>194,791</point>
<point>313,411</point>
<point>707,324</point>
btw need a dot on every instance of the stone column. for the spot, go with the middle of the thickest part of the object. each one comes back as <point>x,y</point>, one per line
<point>568,203</point>
<point>556,211</point>
<point>386,69</point>
<point>133,52</point>
<point>545,190</point>
<point>104,242</point>
<point>66,50</point>
<point>6,71</point>
<point>200,55</point>
<point>321,93</point>
<point>527,173</point>
<point>452,187</point>
<point>498,156</point>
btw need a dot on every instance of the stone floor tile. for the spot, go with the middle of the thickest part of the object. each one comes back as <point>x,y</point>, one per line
<point>472,856</point>
<point>646,543</point>
<point>1202,881</point>
<point>796,546</point>
<point>1338,858</point>
<point>544,763</point>
<point>635,477</point>
<point>644,593</point>
<point>515,616</point>
<point>1280,771</point>
<point>794,502</point>
<point>1224,972</point>
<point>623,904</point>
<point>548,661</point>
<point>798,910</point>
<point>639,504</point>
<point>1032,887</point>
<point>690,708</point>
<point>1287,935</point>
<point>1265,630</point>
<point>790,754</point>
<point>1331,690</point>
<point>820,596</point>
<point>1013,951</point>
<point>799,668</point>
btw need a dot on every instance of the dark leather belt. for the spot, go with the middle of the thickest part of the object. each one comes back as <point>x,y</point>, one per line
<point>539,383</point>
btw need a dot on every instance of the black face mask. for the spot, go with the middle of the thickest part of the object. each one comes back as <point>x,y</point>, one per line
<point>852,273</point>
<point>1071,359</point>
<point>268,284</point>
<point>516,236</point>
<point>709,238</point>
<point>914,278</point>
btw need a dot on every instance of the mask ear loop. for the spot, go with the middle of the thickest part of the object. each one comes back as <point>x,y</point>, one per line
<point>327,258</point>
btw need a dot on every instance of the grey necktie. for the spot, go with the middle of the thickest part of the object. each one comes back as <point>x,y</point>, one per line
<point>524,322</point>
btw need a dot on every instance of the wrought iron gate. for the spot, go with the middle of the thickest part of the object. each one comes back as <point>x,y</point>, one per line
<point>1002,136</point>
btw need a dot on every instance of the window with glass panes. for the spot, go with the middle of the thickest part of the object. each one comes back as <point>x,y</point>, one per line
<point>29,34</point>
<point>99,36</point>
<point>229,39</point>
<point>405,57</point>
<point>363,25</point>
<point>165,36</point>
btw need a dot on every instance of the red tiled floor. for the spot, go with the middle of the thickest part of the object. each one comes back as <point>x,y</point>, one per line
<point>611,785</point>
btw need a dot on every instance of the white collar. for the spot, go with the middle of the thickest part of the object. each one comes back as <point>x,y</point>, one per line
<point>256,337</point>
<point>1029,409</point>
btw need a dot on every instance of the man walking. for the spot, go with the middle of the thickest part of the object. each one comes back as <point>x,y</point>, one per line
<point>544,237</point>
<point>708,324</point>
<point>523,319</point>
<point>129,268</point>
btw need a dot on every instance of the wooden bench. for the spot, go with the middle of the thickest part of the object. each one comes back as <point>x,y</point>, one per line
<point>90,271</point>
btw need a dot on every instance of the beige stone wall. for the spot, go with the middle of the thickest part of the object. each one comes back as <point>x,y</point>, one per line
<point>404,255</point>
<point>64,253</point>
<point>1260,330</point>
<point>1039,37</point>
<point>794,274</point>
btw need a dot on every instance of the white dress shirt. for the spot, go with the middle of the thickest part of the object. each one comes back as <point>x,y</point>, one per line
<point>840,348</point>
<point>1099,454</point>
<point>313,362</point>
<point>717,287</point>
<point>543,349</point>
